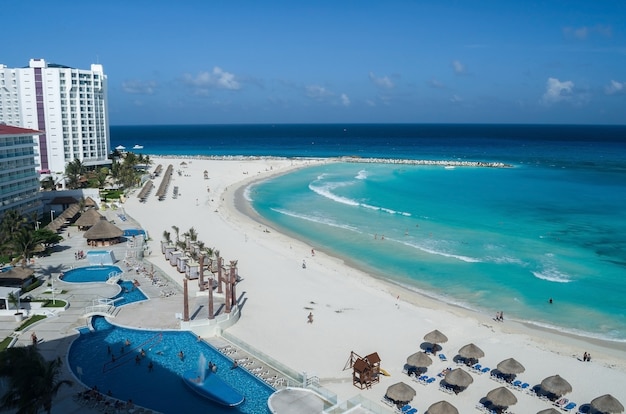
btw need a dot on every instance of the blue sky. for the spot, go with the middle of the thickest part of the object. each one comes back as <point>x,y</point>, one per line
<point>337,61</point>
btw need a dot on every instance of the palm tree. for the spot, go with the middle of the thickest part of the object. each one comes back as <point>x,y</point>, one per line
<point>32,382</point>
<point>167,236</point>
<point>48,183</point>
<point>177,231</point>
<point>74,171</point>
<point>24,242</point>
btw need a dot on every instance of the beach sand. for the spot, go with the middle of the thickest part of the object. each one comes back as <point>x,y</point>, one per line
<point>353,311</point>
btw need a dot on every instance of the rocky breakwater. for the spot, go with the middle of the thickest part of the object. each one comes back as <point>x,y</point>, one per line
<point>443,163</point>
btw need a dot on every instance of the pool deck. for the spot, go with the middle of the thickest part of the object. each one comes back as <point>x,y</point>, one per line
<point>57,332</point>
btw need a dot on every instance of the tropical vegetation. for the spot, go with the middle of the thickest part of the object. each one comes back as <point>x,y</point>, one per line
<point>31,382</point>
<point>19,239</point>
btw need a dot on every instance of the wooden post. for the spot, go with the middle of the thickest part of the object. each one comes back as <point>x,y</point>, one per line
<point>233,281</point>
<point>201,274</point>
<point>211,311</point>
<point>227,297</point>
<point>219,275</point>
<point>185,300</point>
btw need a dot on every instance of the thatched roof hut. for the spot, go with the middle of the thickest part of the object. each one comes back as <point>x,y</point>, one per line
<point>16,276</point>
<point>88,219</point>
<point>103,233</point>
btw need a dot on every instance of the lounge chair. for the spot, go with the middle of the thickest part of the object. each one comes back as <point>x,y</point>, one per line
<point>485,370</point>
<point>387,401</point>
<point>476,368</point>
<point>561,402</point>
<point>569,407</point>
<point>411,411</point>
<point>406,408</point>
<point>442,357</point>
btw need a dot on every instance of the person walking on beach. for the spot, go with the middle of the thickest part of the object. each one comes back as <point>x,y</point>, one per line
<point>310,318</point>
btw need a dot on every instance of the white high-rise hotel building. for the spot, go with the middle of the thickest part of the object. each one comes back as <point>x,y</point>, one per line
<point>68,105</point>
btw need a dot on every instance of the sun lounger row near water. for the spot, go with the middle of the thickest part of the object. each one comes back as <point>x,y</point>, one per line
<point>248,363</point>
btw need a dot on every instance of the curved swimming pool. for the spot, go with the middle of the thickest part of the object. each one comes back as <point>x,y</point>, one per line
<point>91,274</point>
<point>161,388</point>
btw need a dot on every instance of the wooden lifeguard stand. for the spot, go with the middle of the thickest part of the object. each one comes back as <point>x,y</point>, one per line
<point>365,371</point>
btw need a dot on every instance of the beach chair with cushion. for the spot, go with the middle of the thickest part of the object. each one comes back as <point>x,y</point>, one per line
<point>484,370</point>
<point>476,368</point>
<point>569,407</point>
<point>442,357</point>
<point>412,411</point>
<point>561,402</point>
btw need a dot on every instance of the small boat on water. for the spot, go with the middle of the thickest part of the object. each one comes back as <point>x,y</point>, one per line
<point>211,387</point>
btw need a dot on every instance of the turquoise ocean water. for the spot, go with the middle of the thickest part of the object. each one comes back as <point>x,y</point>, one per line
<point>551,226</point>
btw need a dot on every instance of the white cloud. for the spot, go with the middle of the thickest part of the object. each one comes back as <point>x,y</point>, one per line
<point>616,88</point>
<point>139,87</point>
<point>370,102</point>
<point>557,91</point>
<point>458,67</point>
<point>584,32</point>
<point>456,99</point>
<point>217,78</point>
<point>383,82</point>
<point>345,100</point>
<point>435,83</point>
<point>317,92</point>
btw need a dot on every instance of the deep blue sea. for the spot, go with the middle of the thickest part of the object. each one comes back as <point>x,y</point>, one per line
<point>494,239</point>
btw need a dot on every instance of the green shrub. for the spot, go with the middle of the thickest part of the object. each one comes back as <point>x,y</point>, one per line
<point>5,343</point>
<point>28,322</point>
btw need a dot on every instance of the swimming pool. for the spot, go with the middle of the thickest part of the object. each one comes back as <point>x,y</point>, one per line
<point>162,389</point>
<point>90,274</point>
<point>133,232</point>
<point>129,294</point>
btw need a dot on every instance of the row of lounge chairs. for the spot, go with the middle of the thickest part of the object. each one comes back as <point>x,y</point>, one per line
<point>565,404</point>
<point>479,369</point>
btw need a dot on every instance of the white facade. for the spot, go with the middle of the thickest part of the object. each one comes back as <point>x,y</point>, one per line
<point>19,180</point>
<point>69,105</point>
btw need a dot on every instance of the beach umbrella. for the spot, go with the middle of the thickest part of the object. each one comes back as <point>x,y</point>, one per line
<point>442,407</point>
<point>607,404</point>
<point>400,392</point>
<point>458,377</point>
<point>549,411</point>
<point>556,385</point>
<point>510,366</point>
<point>501,397</point>
<point>435,337</point>
<point>471,351</point>
<point>419,359</point>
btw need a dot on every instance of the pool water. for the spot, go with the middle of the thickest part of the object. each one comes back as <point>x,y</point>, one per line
<point>128,294</point>
<point>90,274</point>
<point>133,232</point>
<point>162,389</point>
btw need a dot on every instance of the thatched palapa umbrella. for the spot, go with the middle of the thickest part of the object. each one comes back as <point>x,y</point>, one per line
<point>442,407</point>
<point>556,385</point>
<point>501,397</point>
<point>400,392</point>
<point>607,404</point>
<point>549,411</point>
<point>435,337</point>
<point>419,360</point>
<point>510,367</point>
<point>458,378</point>
<point>471,352</point>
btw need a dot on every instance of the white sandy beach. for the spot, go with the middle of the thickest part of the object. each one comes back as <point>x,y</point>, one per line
<point>353,311</point>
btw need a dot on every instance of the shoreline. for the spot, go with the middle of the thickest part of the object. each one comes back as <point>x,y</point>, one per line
<point>244,207</point>
<point>354,310</point>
